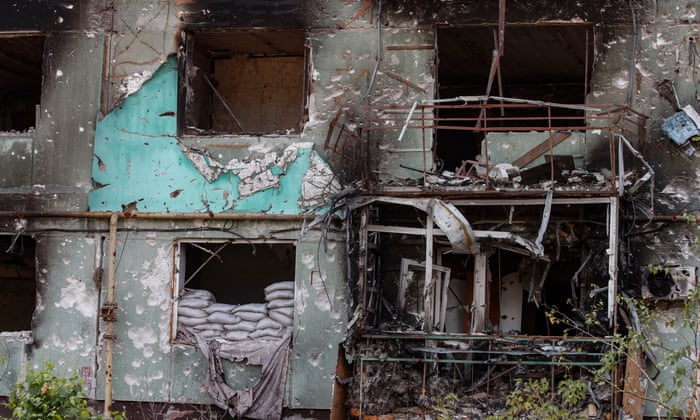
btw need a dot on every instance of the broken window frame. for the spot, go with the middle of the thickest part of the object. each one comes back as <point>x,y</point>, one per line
<point>435,302</point>
<point>582,34</point>
<point>428,232</point>
<point>179,269</point>
<point>16,240</point>
<point>185,64</point>
<point>24,131</point>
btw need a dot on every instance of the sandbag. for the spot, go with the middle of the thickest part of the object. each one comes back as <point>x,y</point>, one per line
<point>251,316</point>
<point>267,322</point>
<point>191,312</point>
<point>251,307</point>
<point>191,322</point>
<point>208,334</point>
<point>281,318</point>
<point>220,307</point>
<point>268,332</point>
<point>282,285</point>
<point>195,303</point>
<point>287,311</point>
<point>279,294</point>
<point>241,326</point>
<point>236,335</point>
<point>223,318</point>
<point>198,293</point>
<point>281,303</point>
<point>208,327</point>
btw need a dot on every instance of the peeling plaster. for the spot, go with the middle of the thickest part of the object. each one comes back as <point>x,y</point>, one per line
<point>76,296</point>
<point>323,295</point>
<point>156,282</point>
<point>132,83</point>
<point>140,165</point>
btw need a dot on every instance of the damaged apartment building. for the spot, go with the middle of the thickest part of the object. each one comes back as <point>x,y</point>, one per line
<point>344,208</point>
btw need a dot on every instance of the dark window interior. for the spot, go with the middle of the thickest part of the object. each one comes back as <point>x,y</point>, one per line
<point>238,273</point>
<point>541,62</point>
<point>17,282</point>
<point>21,60</point>
<point>258,79</point>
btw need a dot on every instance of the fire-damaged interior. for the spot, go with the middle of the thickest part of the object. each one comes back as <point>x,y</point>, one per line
<point>497,258</point>
<point>490,311</point>
<point>546,62</point>
<point>504,266</point>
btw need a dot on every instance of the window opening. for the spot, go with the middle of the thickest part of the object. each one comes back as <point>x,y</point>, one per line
<point>235,291</point>
<point>245,82</point>
<point>17,282</point>
<point>20,80</point>
<point>540,62</point>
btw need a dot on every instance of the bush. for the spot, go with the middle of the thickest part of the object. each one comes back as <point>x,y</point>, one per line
<point>44,396</point>
<point>534,400</point>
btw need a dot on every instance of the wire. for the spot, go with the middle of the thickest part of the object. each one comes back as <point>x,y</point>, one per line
<point>121,253</point>
<point>11,248</point>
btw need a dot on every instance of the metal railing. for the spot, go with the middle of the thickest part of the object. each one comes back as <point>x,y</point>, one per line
<point>500,355</point>
<point>483,115</point>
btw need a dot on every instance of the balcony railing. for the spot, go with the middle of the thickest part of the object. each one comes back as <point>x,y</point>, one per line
<point>490,119</point>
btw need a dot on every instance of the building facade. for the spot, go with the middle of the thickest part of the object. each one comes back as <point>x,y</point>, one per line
<point>331,208</point>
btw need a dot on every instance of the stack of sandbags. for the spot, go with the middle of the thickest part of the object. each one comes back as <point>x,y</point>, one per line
<point>198,313</point>
<point>249,315</point>
<point>195,310</point>
<point>191,315</point>
<point>280,302</point>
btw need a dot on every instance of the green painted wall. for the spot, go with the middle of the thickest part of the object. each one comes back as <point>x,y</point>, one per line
<point>139,165</point>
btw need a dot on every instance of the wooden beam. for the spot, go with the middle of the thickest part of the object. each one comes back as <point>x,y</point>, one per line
<point>405,82</point>
<point>540,149</point>
<point>635,389</point>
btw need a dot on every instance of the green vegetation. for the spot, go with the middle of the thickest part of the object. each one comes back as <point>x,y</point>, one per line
<point>44,396</point>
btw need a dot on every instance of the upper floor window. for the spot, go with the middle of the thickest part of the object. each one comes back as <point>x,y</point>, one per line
<point>244,82</point>
<point>21,58</point>
<point>543,62</point>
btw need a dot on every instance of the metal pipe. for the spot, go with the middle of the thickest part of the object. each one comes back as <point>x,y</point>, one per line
<point>676,218</point>
<point>379,57</point>
<point>155,216</point>
<point>506,339</point>
<point>109,314</point>
<point>556,361</point>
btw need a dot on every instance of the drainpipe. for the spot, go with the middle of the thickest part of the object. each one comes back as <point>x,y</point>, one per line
<point>109,314</point>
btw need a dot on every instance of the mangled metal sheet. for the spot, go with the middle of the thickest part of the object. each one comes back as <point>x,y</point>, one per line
<point>448,218</point>
<point>445,215</point>
<point>455,226</point>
